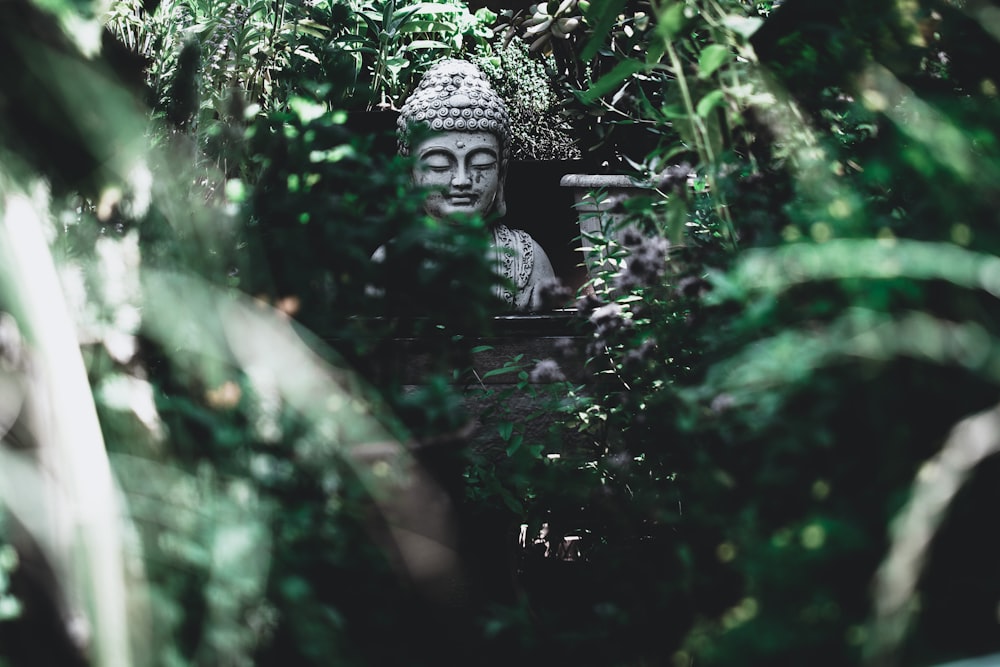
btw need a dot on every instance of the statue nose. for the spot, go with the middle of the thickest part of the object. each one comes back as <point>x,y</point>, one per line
<point>462,178</point>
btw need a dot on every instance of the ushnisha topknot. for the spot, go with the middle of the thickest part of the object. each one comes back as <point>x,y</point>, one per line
<point>454,95</point>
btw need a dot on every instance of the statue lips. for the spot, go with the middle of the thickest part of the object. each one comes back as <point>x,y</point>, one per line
<point>462,200</point>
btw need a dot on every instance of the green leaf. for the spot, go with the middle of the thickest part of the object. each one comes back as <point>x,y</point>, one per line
<point>428,26</point>
<point>674,112</point>
<point>602,16</point>
<point>436,9</point>
<point>505,429</point>
<point>712,58</point>
<point>745,26</point>
<point>236,190</point>
<point>372,23</point>
<point>387,13</point>
<point>677,216</point>
<point>611,80</point>
<point>709,102</point>
<point>672,21</point>
<point>304,52</point>
<point>501,371</point>
<point>515,444</point>
<point>655,51</point>
<point>306,109</point>
<point>425,44</point>
<point>485,16</point>
<point>399,19</point>
<point>512,503</point>
<point>311,27</point>
<point>311,31</point>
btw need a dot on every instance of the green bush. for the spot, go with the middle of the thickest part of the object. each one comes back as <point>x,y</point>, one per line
<point>789,362</point>
<point>761,408</point>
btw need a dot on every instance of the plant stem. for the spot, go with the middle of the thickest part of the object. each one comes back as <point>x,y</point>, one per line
<point>704,144</point>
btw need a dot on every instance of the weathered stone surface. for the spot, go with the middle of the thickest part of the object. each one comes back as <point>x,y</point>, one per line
<point>463,164</point>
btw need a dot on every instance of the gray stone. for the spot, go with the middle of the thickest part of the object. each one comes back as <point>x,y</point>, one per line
<point>464,165</point>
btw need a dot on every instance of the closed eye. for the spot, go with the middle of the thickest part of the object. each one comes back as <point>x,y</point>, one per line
<point>436,162</point>
<point>482,160</point>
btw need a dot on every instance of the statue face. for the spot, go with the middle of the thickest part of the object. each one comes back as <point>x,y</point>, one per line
<point>462,170</point>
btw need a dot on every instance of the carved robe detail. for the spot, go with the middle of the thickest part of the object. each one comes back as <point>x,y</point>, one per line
<point>521,261</point>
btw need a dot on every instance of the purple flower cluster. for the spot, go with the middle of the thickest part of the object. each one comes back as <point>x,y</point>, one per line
<point>645,263</point>
<point>546,371</point>
<point>607,320</point>
<point>636,357</point>
<point>675,177</point>
<point>554,293</point>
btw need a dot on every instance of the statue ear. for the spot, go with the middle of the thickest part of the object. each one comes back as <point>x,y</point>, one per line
<point>499,201</point>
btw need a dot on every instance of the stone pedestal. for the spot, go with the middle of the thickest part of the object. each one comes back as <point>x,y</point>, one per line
<point>598,199</point>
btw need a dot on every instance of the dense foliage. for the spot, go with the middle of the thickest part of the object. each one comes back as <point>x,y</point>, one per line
<point>777,447</point>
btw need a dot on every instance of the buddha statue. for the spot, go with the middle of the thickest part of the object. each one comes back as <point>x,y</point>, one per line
<point>463,164</point>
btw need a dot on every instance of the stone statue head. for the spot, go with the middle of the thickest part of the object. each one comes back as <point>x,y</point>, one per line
<point>464,159</point>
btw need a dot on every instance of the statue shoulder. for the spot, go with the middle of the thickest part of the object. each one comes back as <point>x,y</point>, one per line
<point>516,239</point>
